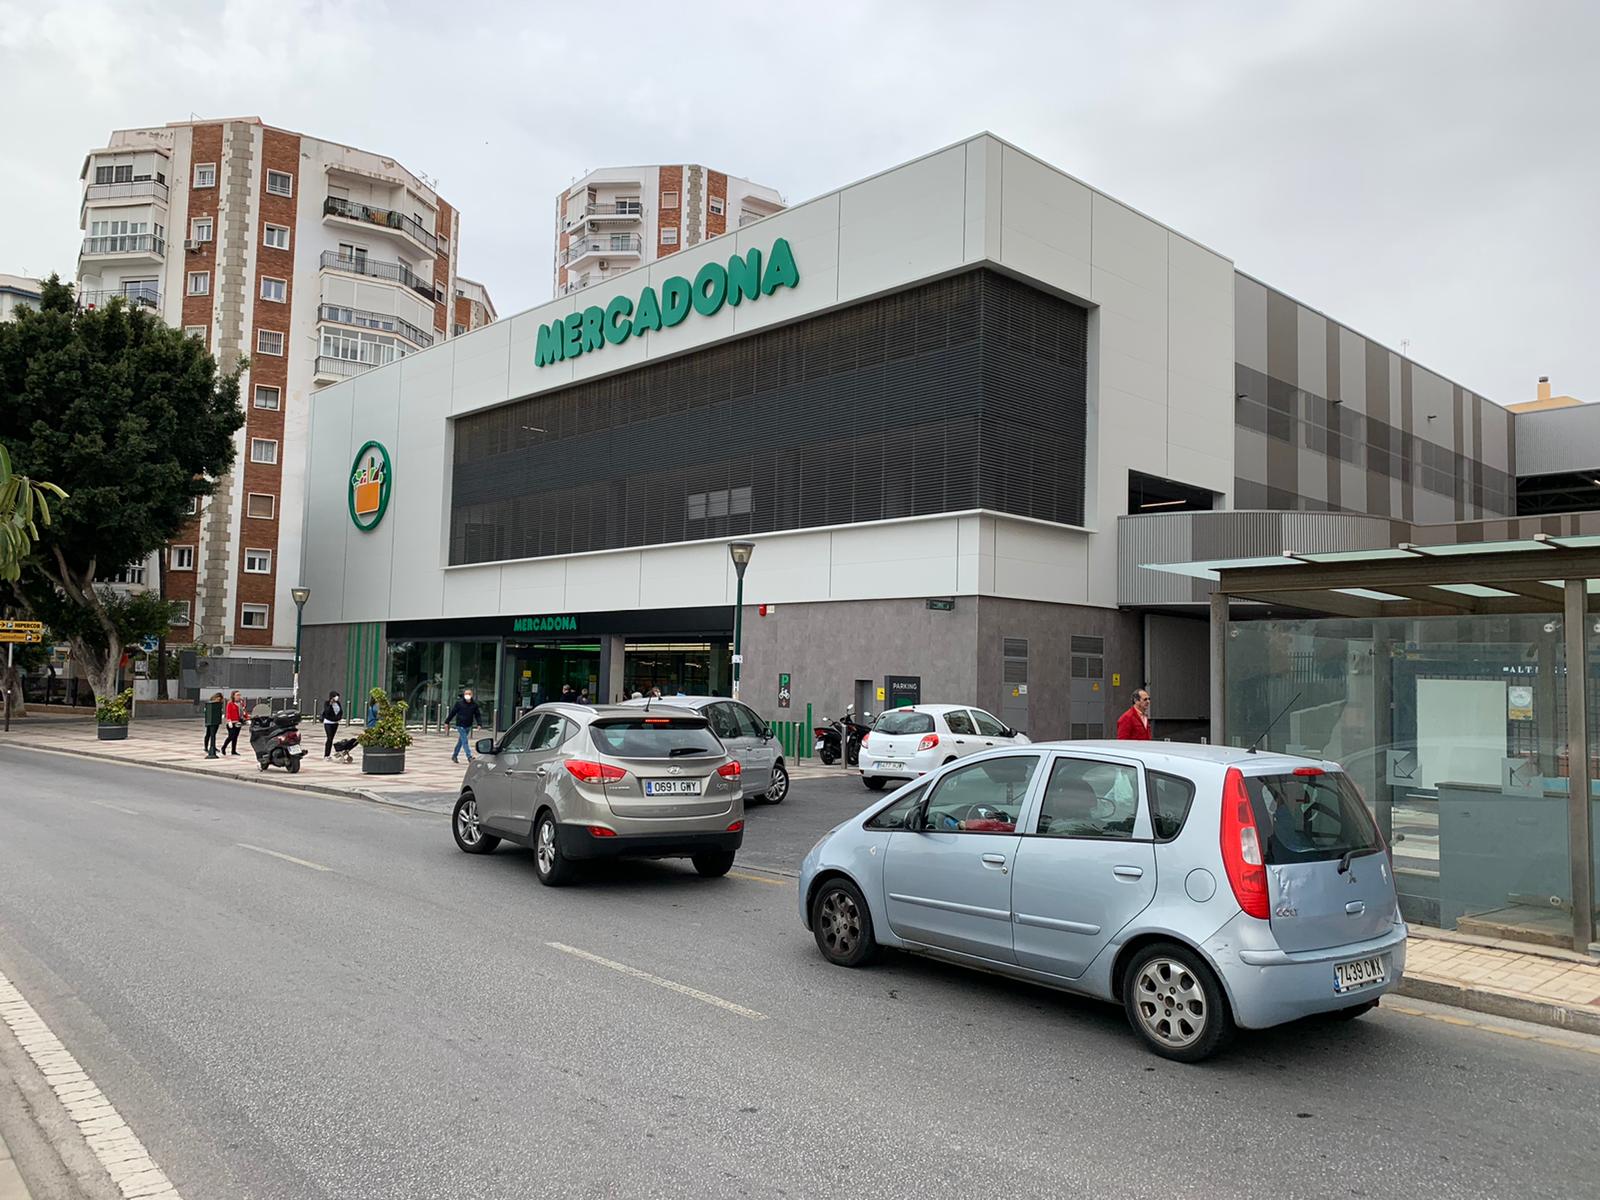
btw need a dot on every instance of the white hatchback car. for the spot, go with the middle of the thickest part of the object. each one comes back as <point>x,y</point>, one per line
<point>908,743</point>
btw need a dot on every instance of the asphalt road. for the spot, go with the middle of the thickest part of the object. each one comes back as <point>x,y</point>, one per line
<point>388,1017</point>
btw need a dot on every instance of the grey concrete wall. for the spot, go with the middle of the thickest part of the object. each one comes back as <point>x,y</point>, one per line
<point>826,647</point>
<point>323,663</point>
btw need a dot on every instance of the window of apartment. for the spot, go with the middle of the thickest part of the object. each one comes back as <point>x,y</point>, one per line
<point>716,205</point>
<point>669,199</point>
<point>280,183</point>
<point>263,450</point>
<point>200,229</point>
<point>199,283</point>
<point>274,289</point>
<point>114,173</point>
<point>438,294</point>
<point>352,346</point>
<point>269,341</point>
<point>261,506</point>
<point>669,237</point>
<point>133,574</point>
<point>268,396</point>
<point>102,174</point>
<point>457,329</point>
<point>258,562</point>
<point>181,558</point>
<point>253,616</point>
<point>194,506</point>
<point>180,614</point>
<point>205,175</point>
<point>198,332</point>
<point>276,236</point>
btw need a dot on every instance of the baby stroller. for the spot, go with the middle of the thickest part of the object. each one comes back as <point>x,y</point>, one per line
<point>276,740</point>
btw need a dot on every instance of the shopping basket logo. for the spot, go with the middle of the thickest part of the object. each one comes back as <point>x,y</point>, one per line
<point>371,477</point>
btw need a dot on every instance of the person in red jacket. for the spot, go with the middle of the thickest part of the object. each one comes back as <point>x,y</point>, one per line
<point>234,715</point>
<point>1134,725</point>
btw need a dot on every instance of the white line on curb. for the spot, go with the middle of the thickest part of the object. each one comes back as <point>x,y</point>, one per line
<point>682,989</point>
<point>286,857</point>
<point>114,1144</point>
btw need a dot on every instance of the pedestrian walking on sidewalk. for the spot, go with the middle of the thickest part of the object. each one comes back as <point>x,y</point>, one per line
<point>214,708</point>
<point>332,714</point>
<point>1134,725</point>
<point>234,715</point>
<point>465,716</point>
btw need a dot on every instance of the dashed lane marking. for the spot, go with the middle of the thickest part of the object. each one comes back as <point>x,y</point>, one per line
<point>1521,1035</point>
<point>671,985</point>
<point>286,857</point>
<point>116,1147</point>
<point>759,878</point>
<point>115,807</point>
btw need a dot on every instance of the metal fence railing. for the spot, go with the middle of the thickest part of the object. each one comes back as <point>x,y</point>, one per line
<point>794,737</point>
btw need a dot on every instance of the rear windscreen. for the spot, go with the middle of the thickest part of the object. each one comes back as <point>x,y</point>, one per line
<point>654,737</point>
<point>1309,818</point>
<point>904,722</point>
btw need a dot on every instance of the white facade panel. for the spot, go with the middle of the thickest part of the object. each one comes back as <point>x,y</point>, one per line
<point>903,225</point>
<point>894,558</point>
<point>1046,222</point>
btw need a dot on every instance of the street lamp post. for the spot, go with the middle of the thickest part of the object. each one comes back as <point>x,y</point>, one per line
<point>740,552</point>
<point>300,596</point>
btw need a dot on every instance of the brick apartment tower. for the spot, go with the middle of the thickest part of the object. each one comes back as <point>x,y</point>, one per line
<point>618,218</point>
<point>316,260</point>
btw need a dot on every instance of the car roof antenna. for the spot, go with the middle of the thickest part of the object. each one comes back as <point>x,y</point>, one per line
<point>1256,745</point>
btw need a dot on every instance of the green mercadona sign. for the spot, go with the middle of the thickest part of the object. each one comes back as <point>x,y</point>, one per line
<point>544,625</point>
<point>593,328</point>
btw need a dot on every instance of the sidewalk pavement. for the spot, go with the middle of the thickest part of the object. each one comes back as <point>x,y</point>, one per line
<point>430,781</point>
<point>11,1185</point>
<point>1499,978</point>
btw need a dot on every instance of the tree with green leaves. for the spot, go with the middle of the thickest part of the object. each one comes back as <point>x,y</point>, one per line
<point>24,506</point>
<point>133,419</point>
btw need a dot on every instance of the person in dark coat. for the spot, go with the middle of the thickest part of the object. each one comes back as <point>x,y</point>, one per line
<point>214,708</point>
<point>332,714</point>
<point>465,715</point>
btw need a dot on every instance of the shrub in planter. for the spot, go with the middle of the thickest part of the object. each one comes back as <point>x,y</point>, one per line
<point>383,746</point>
<point>112,713</point>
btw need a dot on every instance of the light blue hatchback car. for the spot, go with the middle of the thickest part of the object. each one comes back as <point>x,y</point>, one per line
<point>1202,887</point>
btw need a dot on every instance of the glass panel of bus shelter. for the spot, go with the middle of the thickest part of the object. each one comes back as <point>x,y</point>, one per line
<point>1454,730</point>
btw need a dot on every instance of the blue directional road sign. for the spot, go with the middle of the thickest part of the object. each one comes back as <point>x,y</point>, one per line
<point>149,645</point>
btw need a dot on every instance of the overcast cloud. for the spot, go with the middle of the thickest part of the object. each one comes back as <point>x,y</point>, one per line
<point>1426,172</point>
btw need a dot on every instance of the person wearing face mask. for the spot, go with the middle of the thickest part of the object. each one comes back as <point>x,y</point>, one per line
<point>465,716</point>
<point>332,714</point>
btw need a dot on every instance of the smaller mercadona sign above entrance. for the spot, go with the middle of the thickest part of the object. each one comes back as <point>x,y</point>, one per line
<point>593,328</point>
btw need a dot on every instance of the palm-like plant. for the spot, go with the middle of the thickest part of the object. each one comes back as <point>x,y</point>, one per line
<point>24,506</point>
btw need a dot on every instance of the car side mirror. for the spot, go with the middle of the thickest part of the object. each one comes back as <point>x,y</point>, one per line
<point>486,746</point>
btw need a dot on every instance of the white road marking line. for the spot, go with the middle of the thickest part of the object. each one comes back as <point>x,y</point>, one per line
<point>682,989</point>
<point>119,1151</point>
<point>115,807</point>
<point>286,857</point>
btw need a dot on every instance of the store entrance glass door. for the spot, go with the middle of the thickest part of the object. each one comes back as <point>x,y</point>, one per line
<point>538,669</point>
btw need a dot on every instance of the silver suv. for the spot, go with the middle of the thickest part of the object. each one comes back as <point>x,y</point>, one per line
<point>576,782</point>
<point>747,738</point>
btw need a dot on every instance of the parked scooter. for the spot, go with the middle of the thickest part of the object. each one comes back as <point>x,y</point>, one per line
<point>276,741</point>
<point>852,731</point>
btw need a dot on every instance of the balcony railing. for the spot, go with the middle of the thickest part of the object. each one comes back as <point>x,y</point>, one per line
<point>342,367</point>
<point>125,190</point>
<point>137,296</point>
<point>359,264</point>
<point>382,322</point>
<point>388,218</point>
<point>142,244</point>
<point>630,246</point>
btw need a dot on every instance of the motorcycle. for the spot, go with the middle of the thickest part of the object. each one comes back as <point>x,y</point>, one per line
<point>847,727</point>
<point>276,741</point>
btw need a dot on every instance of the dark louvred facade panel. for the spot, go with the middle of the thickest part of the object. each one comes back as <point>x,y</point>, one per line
<point>964,393</point>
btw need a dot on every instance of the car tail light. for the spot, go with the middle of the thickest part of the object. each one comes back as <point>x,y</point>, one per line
<point>601,831</point>
<point>928,743</point>
<point>865,736</point>
<point>730,769</point>
<point>1241,848</point>
<point>1309,771</point>
<point>593,772</point>
<point>736,827</point>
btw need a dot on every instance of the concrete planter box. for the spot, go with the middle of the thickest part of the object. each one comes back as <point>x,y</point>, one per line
<point>376,760</point>
<point>112,733</point>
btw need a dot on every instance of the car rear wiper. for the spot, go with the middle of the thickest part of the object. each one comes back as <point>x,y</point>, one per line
<point>677,751</point>
<point>1351,854</point>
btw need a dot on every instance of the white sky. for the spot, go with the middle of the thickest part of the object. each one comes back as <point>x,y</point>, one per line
<point>1419,169</point>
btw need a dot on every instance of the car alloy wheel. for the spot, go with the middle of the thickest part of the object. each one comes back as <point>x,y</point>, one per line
<point>546,846</point>
<point>467,828</point>
<point>839,923</point>
<point>779,787</point>
<point>1171,1003</point>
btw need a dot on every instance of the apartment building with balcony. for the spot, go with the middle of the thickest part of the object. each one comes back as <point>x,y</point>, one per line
<point>618,218</point>
<point>316,261</point>
<point>473,308</point>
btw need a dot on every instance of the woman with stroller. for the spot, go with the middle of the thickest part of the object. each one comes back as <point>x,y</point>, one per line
<point>332,714</point>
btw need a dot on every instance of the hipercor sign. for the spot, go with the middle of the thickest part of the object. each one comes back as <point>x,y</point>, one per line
<point>743,278</point>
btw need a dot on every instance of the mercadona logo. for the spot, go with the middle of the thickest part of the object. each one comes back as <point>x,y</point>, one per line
<point>371,477</point>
